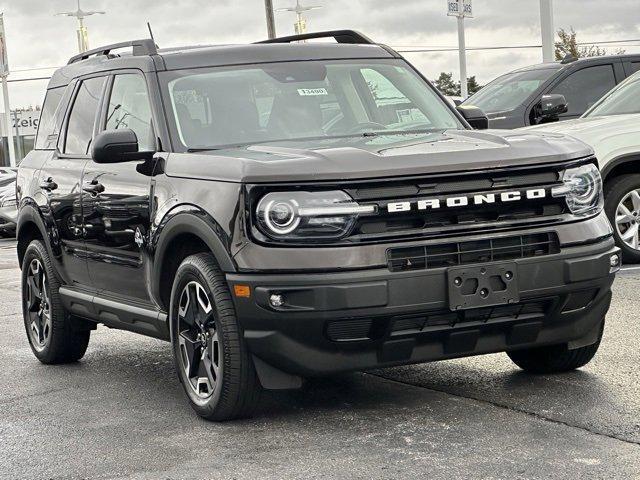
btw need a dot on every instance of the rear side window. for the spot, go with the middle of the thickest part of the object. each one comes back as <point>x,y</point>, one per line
<point>46,127</point>
<point>83,116</point>
<point>585,87</point>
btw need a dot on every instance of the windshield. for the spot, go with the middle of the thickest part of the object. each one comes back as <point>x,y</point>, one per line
<point>509,91</point>
<point>621,100</point>
<point>228,106</point>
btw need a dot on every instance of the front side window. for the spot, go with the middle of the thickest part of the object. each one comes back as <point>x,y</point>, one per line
<point>83,115</point>
<point>624,99</point>
<point>510,91</point>
<point>584,88</point>
<point>129,108</point>
<point>223,106</point>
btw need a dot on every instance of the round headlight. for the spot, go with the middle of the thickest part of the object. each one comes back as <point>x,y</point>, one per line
<point>281,216</point>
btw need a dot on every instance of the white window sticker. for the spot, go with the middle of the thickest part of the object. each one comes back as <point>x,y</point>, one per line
<point>312,92</point>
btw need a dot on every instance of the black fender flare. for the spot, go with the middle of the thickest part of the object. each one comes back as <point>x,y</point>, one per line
<point>29,212</point>
<point>192,220</point>
<point>616,162</point>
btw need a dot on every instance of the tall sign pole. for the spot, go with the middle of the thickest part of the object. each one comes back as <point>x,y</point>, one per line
<point>547,30</point>
<point>461,9</point>
<point>82,33</point>
<point>271,23</point>
<point>4,73</point>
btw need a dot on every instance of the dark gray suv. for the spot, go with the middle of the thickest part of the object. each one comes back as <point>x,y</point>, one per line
<point>286,210</point>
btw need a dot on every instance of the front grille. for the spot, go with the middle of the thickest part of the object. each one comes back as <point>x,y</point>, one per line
<point>478,251</point>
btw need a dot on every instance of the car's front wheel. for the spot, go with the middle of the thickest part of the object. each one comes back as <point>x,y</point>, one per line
<point>622,206</point>
<point>555,358</point>
<point>211,358</point>
<point>54,335</point>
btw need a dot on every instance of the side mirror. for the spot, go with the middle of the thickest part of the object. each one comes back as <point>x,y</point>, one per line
<point>117,146</point>
<point>551,107</point>
<point>474,116</point>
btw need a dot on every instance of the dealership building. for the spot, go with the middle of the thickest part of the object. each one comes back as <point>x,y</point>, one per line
<point>24,127</point>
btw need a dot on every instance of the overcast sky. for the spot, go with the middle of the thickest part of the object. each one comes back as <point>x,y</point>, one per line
<point>36,38</point>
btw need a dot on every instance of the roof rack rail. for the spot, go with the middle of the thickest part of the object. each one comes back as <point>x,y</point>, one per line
<point>341,36</point>
<point>140,47</point>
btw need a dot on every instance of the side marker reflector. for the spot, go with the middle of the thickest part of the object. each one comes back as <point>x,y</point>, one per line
<point>242,291</point>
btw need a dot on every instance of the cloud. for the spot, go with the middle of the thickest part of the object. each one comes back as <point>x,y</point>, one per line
<point>38,38</point>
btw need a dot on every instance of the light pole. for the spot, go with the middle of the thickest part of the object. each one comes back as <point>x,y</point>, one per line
<point>301,24</point>
<point>271,23</point>
<point>4,73</point>
<point>83,35</point>
<point>461,9</point>
<point>547,30</point>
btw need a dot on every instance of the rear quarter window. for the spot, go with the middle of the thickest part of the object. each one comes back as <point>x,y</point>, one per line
<point>48,126</point>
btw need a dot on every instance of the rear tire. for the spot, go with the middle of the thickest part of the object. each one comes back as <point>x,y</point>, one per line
<point>616,191</point>
<point>210,355</point>
<point>54,335</point>
<point>554,358</point>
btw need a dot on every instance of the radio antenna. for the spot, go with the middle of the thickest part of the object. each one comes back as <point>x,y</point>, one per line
<point>151,33</point>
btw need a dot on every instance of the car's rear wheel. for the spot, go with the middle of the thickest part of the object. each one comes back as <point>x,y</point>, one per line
<point>210,355</point>
<point>555,358</point>
<point>622,206</point>
<point>54,336</point>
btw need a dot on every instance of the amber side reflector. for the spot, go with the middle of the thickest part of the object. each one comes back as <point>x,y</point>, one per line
<point>242,291</point>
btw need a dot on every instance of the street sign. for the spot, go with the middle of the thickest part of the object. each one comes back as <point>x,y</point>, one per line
<point>4,62</point>
<point>459,8</point>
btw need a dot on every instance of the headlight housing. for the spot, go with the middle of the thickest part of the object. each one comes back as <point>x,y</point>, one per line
<point>308,216</point>
<point>582,190</point>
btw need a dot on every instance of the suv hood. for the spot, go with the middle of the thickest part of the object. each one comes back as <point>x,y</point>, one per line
<point>608,135</point>
<point>376,157</point>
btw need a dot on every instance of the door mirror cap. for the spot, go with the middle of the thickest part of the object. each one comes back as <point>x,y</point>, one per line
<point>117,146</point>
<point>552,106</point>
<point>474,116</point>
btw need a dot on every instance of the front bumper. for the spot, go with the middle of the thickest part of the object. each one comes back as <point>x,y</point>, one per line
<point>358,320</point>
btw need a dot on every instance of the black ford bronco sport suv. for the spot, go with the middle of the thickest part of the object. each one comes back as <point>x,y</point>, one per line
<point>290,209</point>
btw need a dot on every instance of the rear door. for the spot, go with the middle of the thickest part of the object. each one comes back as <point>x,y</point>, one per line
<point>116,197</point>
<point>60,181</point>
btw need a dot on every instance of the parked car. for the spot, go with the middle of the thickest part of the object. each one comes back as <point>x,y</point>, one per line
<point>286,210</point>
<point>8,210</point>
<point>549,92</point>
<point>612,128</point>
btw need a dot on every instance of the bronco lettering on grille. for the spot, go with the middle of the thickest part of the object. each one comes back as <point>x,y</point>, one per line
<point>466,200</point>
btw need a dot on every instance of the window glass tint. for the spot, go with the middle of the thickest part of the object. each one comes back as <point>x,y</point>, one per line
<point>584,88</point>
<point>624,99</point>
<point>510,91</point>
<point>82,117</point>
<point>299,100</point>
<point>635,67</point>
<point>47,119</point>
<point>129,108</point>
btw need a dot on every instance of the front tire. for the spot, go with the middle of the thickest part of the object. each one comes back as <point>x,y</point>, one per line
<point>555,358</point>
<point>54,336</point>
<point>622,206</point>
<point>211,358</point>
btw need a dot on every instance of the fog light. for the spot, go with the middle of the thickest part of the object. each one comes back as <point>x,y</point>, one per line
<point>276,300</point>
<point>614,261</point>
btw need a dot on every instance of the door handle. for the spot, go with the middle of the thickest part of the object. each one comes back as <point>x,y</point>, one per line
<point>94,188</point>
<point>48,185</point>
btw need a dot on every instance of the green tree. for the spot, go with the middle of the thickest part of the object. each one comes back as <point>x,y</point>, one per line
<point>446,85</point>
<point>472,85</point>
<point>567,44</point>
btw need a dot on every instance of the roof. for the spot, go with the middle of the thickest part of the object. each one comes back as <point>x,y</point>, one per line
<point>278,50</point>
<point>580,61</point>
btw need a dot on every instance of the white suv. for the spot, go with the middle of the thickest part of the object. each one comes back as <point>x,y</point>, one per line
<point>612,128</point>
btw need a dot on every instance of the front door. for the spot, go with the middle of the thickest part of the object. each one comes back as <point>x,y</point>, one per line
<point>116,198</point>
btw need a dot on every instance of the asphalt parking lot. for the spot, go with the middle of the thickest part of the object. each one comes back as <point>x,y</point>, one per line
<point>120,413</point>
